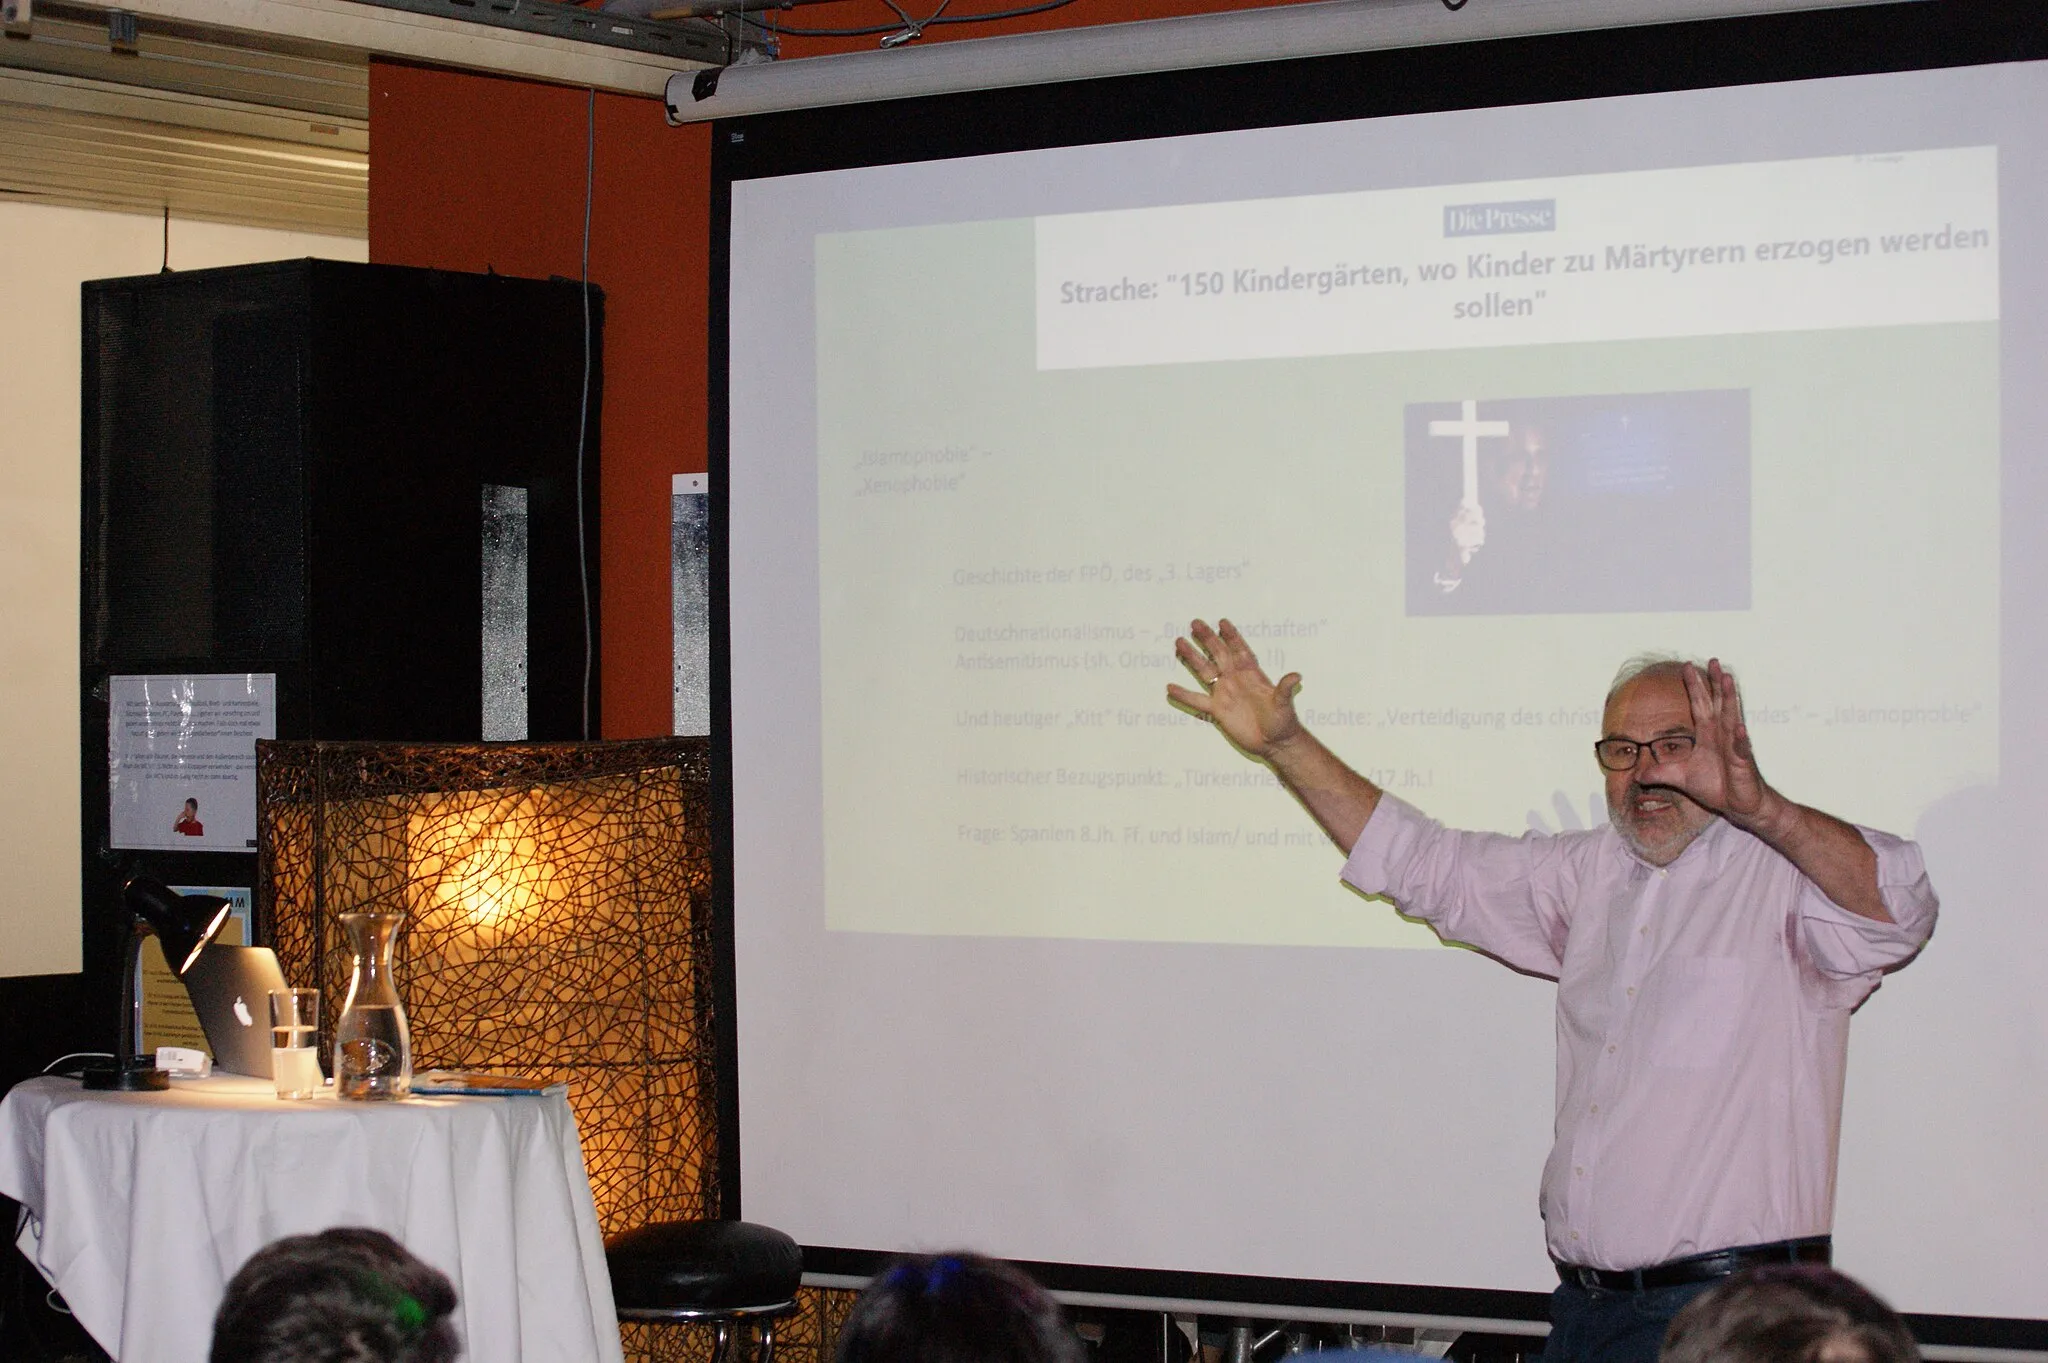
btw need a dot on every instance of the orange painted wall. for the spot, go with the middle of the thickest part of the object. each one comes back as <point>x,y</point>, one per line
<point>472,173</point>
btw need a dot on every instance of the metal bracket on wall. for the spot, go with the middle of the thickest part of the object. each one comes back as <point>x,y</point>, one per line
<point>688,39</point>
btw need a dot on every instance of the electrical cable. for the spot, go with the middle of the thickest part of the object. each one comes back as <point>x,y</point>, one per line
<point>872,29</point>
<point>77,1055</point>
<point>583,415</point>
<point>913,29</point>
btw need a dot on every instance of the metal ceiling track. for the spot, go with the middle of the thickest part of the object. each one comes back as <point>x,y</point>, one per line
<point>687,39</point>
<point>527,39</point>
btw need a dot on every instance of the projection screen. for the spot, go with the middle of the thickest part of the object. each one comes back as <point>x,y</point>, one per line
<point>1027,961</point>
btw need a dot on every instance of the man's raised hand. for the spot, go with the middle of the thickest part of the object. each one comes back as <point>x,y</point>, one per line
<point>1257,715</point>
<point>1721,772</point>
<point>1236,696</point>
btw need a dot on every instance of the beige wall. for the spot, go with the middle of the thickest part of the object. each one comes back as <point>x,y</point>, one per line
<point>45,253</point>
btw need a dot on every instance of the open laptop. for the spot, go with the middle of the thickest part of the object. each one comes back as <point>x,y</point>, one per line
<point>230,989</point>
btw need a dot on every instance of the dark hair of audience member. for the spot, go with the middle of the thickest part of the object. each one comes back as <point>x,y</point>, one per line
<point>956,1308</point>
<point>348,1295</point>
<point>1788,1313</point>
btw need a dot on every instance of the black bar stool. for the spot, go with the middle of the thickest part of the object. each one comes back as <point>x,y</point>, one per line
<point>729,1274</point>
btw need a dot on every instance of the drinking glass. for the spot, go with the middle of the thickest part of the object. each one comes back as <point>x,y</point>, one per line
<point>294,1032</point>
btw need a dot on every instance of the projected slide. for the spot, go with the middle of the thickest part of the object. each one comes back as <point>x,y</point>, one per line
<point>1451,452</point>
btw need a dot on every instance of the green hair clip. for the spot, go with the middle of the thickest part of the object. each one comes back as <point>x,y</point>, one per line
<point>406,1311</point>
<point>411,1316</point>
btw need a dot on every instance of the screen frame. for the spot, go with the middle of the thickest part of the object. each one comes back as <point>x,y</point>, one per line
<point>1649,59</point>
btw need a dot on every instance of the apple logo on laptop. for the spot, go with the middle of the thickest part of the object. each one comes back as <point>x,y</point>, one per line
<point>242,1013</point>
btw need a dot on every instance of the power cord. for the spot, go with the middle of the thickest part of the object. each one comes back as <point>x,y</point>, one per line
<point>912,28</point>
<point>909,28</point>
<point>583,414</point>
<point>27,1304</point>
<point>51,1068</point>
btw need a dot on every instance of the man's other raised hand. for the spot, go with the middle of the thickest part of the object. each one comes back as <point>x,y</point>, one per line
<point>1721,772</point>
<point>1257,715</point>
<point>1236,696</point>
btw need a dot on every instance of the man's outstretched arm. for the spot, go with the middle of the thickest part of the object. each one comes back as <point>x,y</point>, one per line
<point>1473,887</point>
<point>1257,716</point>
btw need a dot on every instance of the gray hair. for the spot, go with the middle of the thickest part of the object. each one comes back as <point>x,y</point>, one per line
<point>1654,661</point>
<point>1788,1311</point>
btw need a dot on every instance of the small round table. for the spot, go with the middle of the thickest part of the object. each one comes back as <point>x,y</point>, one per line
<point>143,1205</point>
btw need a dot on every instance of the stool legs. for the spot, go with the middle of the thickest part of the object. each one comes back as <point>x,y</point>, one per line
<point>764,1333</point>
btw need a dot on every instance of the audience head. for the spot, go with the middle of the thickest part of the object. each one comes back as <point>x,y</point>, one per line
<point>348,1295</point>
<point>1788,1313</point>
<point>956,1308</point>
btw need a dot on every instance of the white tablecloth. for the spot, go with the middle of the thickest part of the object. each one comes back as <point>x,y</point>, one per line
<point>145,1204</point>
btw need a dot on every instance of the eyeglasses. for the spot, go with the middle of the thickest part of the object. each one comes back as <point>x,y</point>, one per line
<point>1622,754</point>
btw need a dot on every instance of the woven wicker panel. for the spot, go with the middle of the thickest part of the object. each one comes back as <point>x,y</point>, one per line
<point>651,1342</point>
<point>558,903</point>
<point>814,1334</point>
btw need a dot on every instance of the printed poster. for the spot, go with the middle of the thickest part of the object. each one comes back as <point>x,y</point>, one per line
<point>181,759</point>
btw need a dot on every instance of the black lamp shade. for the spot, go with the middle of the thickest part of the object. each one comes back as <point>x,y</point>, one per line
<point>184,923</point>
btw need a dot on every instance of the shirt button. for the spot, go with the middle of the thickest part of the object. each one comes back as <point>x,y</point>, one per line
<point>1631,991</point>
<point>1644,929</point>
<point>1580,1171</point>
<point>1575,1235</point>
<point>1610,1050</point>
<point>1596,1109</point>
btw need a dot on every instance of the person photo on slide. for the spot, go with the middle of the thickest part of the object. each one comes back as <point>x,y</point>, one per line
<point>1512,482</point>
<point>1709,945</point>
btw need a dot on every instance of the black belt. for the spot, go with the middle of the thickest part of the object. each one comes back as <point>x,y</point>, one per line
<point>1698,1268</point>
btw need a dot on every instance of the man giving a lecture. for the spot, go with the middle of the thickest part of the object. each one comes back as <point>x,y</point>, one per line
<point>1708,946</point>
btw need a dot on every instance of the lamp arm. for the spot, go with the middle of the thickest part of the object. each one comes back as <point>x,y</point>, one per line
<point>131,973</point>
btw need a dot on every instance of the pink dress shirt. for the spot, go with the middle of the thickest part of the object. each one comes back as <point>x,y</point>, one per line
<point>1702,1017</point>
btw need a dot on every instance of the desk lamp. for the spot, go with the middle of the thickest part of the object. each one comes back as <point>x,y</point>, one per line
<point>184,923</point>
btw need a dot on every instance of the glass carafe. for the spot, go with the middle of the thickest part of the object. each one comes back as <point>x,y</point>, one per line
<point>372,1045</point>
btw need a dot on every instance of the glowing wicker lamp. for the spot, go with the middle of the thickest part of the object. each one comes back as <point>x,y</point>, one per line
<point>560,906</point>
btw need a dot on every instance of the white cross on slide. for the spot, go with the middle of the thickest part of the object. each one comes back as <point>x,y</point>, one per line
<point>1470,427</point>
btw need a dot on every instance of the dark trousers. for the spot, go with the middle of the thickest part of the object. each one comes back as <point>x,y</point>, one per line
<point>1593,1325</point>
